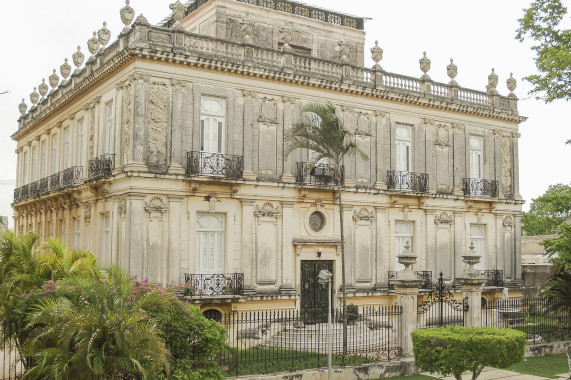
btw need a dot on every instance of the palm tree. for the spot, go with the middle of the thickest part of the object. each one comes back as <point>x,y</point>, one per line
<point>322,132</point>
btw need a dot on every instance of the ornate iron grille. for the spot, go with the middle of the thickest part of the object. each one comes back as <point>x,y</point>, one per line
<point>17,194</point>
<point>494,277</point>
<point>417,182</point>
<point>72,176</point>
<point>54,181</point>
<point>217,284</point>
<point>24,192</point>
<point>34,189</point>
<point>214,165</point>
<point>310,173</point>
<point>101,167</point>
<point>425,275</point>
<point>44,185</point>
<point>478,187</point>
<point>441,308</point>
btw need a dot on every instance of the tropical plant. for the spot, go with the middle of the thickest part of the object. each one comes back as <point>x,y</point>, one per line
<point>548,211</point>
<point>320,131</point>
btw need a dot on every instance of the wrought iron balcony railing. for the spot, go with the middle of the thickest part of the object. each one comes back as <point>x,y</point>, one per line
<point>310,173</point>
<point>34,189</point>
<point>218,284</point>
<point>44,187</point>
<point>24,192</point>
<point>409,181</point>
<point>101,167</point>
<point>16,194</point>
<point>55,181</point>
<point>494,277</point>
<point>214,165</point>
<point>478,187</point>
<point>425,275</point>
<point>71,176</point>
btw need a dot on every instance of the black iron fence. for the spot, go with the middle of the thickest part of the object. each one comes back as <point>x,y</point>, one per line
<point>276,341</point>
<point>202,285</point>
<point>310,173</point>
<point>13,365</point>
<point>531,315</point>
<point>410,181</point>
<point>101,167</point>
<point>441,308</point>
<point>214,165</point>
<point>424,275</point>
<point>478,187</point>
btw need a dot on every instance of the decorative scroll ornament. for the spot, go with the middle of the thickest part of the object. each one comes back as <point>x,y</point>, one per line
<point>127,15</point>
<point>34,97</point>
<point>508,221</point>
<point>442,136</point>
<point>443,218</point>
<point>43,88</point>
<point>363,124</point>
<point>424,66</point>
<point>512,84</point>
<point>376,55</point>
<point>452,71</point>
<point>65,70</point>
<point>156,204</point>
<point>78,57</point>
<point>54,80</point>
<point>492,83</point>
<point>267,209</point>
<point>268,110</point>
<point>363,214</point>
<point>22,107</point>
<point>103,35</point>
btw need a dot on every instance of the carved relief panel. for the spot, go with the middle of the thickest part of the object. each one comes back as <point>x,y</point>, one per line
<point>267,242</point>
<point>506,165</point>
<point>157,114</point>
<point>363,220</point>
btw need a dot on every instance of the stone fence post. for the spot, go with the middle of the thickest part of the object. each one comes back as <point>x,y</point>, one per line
<point>472,288</point>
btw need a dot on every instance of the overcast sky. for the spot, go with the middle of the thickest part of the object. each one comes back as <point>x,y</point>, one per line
<point>36,36</point>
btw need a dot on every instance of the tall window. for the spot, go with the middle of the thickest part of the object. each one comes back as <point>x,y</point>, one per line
<point>477,232</point>
<point>108,130</point>
<point>210,243</point>
<point>212,125</point>
<point>403,233</point>
<point>54,154</point>
<point>34,163</point>
<point>79,144</point>
<point>43,156</point>
<point>76,232</point>
<point>476,154</point>
<point>65,152</point>
<point>403,143</point>
<point>105,237</point>
<point>25,168</point>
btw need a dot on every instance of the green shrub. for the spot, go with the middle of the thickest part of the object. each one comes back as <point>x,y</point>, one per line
<point>352,314</point>
<point>455,349</point>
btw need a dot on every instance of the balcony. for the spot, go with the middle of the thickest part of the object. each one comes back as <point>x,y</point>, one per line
<point>215,165</point>
<point>59,181</point>
<point>494,277</point>
<point>101,167</point>
<point>477,187</point>
<point>71,177</point>
<point>425,275</point>
<point>218,284</point>
<point>407,181</point>
<point>44,186</point>
<point>310,173</point>
<point>34,189</point>
<point>54,181</point>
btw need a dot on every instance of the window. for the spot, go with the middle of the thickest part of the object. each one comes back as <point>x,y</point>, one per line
<point>65,152</point>
<point>403,142</point>
<point>54,154</point>
<point>476,154</point>
<point>25,168</point>
<point>316,221</point>
<point>105,237</point>
<point>212,125</point>
<point>34,163</point>
<point>43,155</point>
<point>76,232</point>
<point>403,234</point>
<point>79,144</point>
<point>477,238</point>
<point>108,128</point>
<point>210,243</point>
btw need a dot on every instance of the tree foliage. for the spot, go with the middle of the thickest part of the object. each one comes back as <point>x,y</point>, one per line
<point>456,349</point>
<point>547,212</point>
<point>543,23</point>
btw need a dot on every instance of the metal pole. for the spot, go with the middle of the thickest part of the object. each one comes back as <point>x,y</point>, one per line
<point>329,333</point>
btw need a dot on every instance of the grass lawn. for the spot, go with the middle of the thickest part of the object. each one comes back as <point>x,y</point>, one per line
<point>411,377</point>
<point>546,366</point>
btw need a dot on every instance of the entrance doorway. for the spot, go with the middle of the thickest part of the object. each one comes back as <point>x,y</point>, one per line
<point>313,294</point>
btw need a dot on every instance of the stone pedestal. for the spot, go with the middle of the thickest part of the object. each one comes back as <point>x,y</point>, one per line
<point>472,290</point>
<point>407,299</point>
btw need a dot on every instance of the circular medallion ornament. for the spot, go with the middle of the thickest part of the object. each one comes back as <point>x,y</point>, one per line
<point>316,221</point>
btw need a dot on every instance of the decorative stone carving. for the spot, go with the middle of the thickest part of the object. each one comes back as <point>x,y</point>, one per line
<point>508,221</point>
<point>34,97</point>
<point>363,214</point>
<point>127,15</point>
<point>54,80</point>
<point>424,66</point>
<point>103,35</point>
<point>343,48</point>
<point>247,27</point>
<point>43,88</point>
<point>87,214</point>
<point>156,204</point>
<point>65,70</point>
<point>268,110</point>
<point>512,84</point>
<point>177,12</point>
<point>78,57</point>
<point>122,208</point>
<point>93,44</point>
<point>376,55</point>
<point>248,94</point>
<point>363,124</point>
<point>492,83</point>
<point>141,20</point>
<point>157,113</point>
<point>267,209</point>
<point>506,163</point>
<point>127,102</point>
<point>22,107</point>
<point>286,37</point>
<point>452,71</point>
<point>443,218</point>
<point>91,130</point>
<point>442,136</point>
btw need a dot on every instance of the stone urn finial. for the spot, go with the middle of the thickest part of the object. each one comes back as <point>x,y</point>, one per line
<point>512,84</point>
<point>141,20</point>
<point>34,97</point>
<point>376,55</point>
<point>103,35</point>
<point>177,13</point>
<point>65,70</point>
<point>127,15</point>
<point>93,45</point>
<point>343,48</point>
<point>452,71</point>
<point>22,107</point>
<point>471,258</point>
<point>408,259</point>
<point>286,37</point>
<point>43,88</point>
<point>248,30</point>
<point>54,80</point>
<point>492,82</point>
<point>424,66</point>
<point>78,58</point>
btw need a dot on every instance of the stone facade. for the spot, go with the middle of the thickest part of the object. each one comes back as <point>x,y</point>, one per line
<point>164,154</point>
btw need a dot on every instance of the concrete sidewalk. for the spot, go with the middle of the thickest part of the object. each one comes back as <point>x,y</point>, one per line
<point>490,373</point>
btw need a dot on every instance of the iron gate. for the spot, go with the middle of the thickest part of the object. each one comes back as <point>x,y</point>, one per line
<point>441,308</point>
<point>313,295</point>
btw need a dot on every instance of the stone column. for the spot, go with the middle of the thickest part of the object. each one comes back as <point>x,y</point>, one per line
<point>407,299</point>
<point>472,289</point>
<point>176,154</point>
<point>141,84</point>
<point>249,113</point>
<point>288,263</point>
<point>382,146</point>
<point>517,237</point>
<point>174,248</point>
<point>288,120</point>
